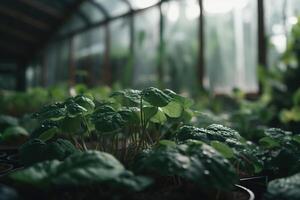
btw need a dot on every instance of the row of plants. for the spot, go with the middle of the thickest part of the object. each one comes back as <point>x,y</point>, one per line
<point>16,103</point>
<point>146,144</point>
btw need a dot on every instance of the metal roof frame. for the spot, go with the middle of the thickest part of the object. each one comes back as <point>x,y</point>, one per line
<point>105,21</point>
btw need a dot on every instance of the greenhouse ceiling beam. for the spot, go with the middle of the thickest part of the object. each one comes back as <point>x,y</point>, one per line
<point>128,4</point>
<point>19,16</point>
<point>100,8</point>
<point>43,7</point>
<point>103,22</point>
<point>67,15</point>
<point>83,17</point>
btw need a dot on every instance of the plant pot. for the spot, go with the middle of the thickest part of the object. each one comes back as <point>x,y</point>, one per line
<point>244,190</point>
<point>5,167</point>
<point>256,184</point>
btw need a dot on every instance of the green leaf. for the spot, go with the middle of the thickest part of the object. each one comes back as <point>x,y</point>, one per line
<point>185,102</point>
<point>196,162</point>
<point>284,188</point>
<point>223,148</point>
<point>159,117</point>
<point>48,134</point>
<point>81,169</point>
<point>13,133</point>
<point>85,102</point>
<point>167,143</point>
<point>6,121</point>
<point>53,112</point>
<point>75,110</point>
<point>221,133</point>
<point>128,97</point>
<point>155,97</point>
<point>173,109</point>
<point>191,132</point>
<point>36,150</point>
<point>59,149</point>
<point>130,115</point>
<point>107,120</point>
<point>269,142</point>
<point>15,130</point>
<point>296,138</point>
<point>44,127</point>
<point>149,112</point>
<point>32,152</point>
<point>71,124</point>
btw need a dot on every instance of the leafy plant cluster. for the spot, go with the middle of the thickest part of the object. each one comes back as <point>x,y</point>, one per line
<point>20,103</point>
<point>127,122</point>
<point>77,143</point>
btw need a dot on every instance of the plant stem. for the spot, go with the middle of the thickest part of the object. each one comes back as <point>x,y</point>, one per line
<point>83,144</point>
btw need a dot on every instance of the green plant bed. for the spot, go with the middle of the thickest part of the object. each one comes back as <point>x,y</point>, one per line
<point>137,144</point>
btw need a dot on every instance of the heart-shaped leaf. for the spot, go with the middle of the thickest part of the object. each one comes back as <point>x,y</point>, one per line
<point>156,97</point>
<point>173,109</point>
<point>159,117</point>
<point>85,102</point>
<point>128,97</point>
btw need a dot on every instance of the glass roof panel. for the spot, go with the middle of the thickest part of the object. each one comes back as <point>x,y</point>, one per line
<point>73,24</point>
<point>138,4</point>
<point>93,13</point>
<point>114,7</point>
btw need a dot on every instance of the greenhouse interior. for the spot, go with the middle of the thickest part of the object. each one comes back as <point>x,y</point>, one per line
<point>150,99</point>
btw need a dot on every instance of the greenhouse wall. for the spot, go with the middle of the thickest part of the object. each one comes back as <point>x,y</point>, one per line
<point>152,43</point>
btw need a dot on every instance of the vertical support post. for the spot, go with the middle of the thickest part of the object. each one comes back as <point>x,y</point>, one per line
<point>161,49</point>
<point>131,65</point>
<point>107,71</point>
<point>72,67</point>
<point>262,51</point>
<point>128,72</point>
<point>131,34</point>
<point>44,72</point>
<point>201,59</point>
<point>21,76</point>
<point>284,20</point>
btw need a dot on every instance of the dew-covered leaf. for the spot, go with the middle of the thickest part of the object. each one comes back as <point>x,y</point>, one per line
<point>191,132</point>
<point>106,119</point>
<point>284,188</point>
<point>221,133</point>
<point>36,150</point>
<point>53,112</point>
<point>192,161</point>
<point>85,102</point>
<point>128,97</point>
<point>80,169</point>
<point>155,97</point>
